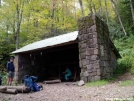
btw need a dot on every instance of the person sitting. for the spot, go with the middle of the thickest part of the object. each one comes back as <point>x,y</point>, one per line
<point>67,73</point>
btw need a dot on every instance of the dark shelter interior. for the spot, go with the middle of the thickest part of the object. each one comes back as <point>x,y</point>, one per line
<point>49,64</point>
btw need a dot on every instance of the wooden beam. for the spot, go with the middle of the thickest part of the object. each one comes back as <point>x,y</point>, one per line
<point>10,91</point>
<point>50,47</point>
<point>21,89</point>
<point>52,81</point>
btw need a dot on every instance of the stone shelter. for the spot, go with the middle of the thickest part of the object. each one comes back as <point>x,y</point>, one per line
<point>89,52</point>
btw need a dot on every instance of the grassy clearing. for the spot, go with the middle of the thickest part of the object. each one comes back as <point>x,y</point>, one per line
<point>127,83</point>
<point>97,83</point>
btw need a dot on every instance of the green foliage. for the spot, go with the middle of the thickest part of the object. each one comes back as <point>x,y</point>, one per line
<point>4,80</point>
<point>127,83</point>
<point>97,83</point>
<point>126,47</point>
<point>126,15</point>
<point>6,47</point>
<point>121,68</point>
<point>115,28</point>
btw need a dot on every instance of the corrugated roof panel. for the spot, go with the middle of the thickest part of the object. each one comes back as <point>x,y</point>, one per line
<point>49,42</point>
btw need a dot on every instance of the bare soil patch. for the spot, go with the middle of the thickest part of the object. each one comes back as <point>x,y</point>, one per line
<point>62,92</point>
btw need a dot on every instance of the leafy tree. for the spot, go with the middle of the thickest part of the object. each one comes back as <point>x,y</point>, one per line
<point>126,15</point>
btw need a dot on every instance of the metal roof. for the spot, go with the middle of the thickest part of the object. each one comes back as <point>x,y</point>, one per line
<point>49,42</point>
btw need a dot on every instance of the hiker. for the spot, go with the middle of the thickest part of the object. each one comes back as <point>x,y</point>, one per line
<point>67,73</point>
<point>10,70</point>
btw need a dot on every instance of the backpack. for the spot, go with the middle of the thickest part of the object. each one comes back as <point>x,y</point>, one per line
<point>30,81</point>
<point>36,87</point>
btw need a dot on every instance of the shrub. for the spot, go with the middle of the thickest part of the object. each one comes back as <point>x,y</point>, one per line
<point>4,78</point>
<point>126,47</point>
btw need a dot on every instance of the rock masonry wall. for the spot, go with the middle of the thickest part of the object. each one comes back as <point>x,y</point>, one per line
<point>94,49</point>
<point>22,67</point>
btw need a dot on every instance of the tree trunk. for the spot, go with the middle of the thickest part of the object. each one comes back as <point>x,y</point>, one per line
<point>94,8</point>
<point>0,3</point>
<point>101,13</point>
<point>81,5</point>
<point>53,15</point>
<point>75,13</point>
<point>75,10</point>
<point>66,15</point>
<point>106,12</point>
<point>19,12</point>
<point>117,12</point>
<point>63,19</point>
<point>132,10</point>
<point>13,26</point>
<point>90,6</point>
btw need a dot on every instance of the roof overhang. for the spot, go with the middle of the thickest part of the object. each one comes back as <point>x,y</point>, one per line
<point>50,42</point>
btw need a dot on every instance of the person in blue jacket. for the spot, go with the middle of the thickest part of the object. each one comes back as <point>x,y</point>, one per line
<point>10,70</point>
<point>68,73</point>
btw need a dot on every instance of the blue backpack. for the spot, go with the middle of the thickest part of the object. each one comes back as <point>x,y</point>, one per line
<point>36,86</point>
<point>30,81</point>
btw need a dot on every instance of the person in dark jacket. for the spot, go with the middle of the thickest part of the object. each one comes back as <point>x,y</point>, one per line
<point>10,70</point>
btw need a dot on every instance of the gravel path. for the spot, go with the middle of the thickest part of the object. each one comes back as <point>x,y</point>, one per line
<point>62,92</point>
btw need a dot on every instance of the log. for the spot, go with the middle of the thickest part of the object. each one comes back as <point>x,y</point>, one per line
<point>21,89</point>
<point>52,81</point>
<point>71,84</point>
<point>2,88</point>
<point>10,91</point>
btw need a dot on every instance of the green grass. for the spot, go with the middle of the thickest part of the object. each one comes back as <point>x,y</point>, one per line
<point>97,83</point>
<point>127,83</point>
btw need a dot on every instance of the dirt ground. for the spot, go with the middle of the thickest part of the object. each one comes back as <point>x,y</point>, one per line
<point>62,92</point>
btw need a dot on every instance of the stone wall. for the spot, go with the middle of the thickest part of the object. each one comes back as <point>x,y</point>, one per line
<point>94,49</point>
<point>16,64</point>
<point>22,67</point>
